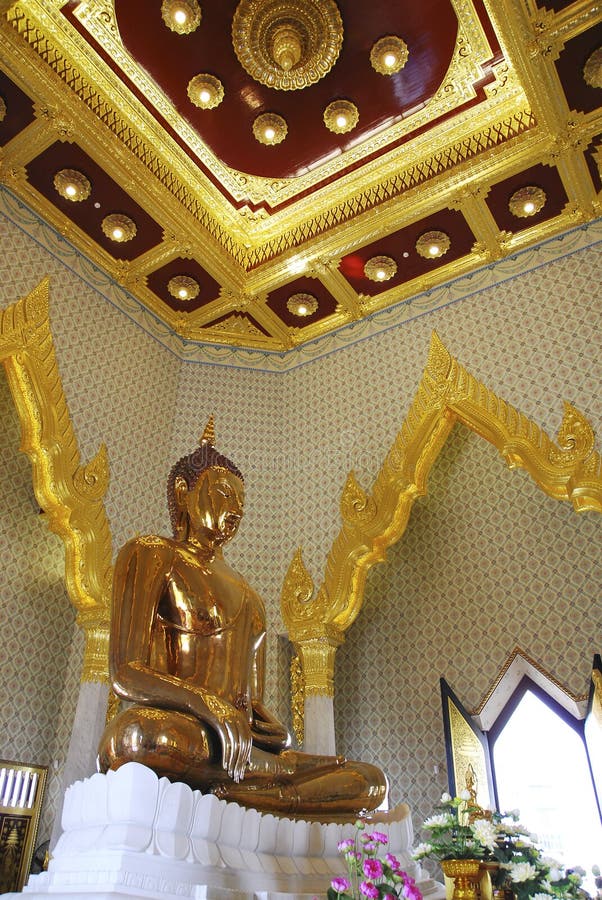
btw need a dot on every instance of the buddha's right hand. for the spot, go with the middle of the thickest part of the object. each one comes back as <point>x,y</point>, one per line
<point>235,735</point>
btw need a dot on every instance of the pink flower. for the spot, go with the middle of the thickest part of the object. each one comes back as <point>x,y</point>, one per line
<point>340,885</point>
<point>393,862</point>
<point>346,845</point>
<point>410,891</point>
<point>379,837</point>
<point>373,869</point>
<point>369,890</point>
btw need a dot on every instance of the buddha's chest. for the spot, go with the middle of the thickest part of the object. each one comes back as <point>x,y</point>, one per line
<point>208,603</point>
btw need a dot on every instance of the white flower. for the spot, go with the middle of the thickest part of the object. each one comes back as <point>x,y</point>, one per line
<point>465,795</point>
<point>485,832</point>
<point>522,871</point>
<point>540,896</point>
<point>422,850</point>
<point>445,797</point>
<point>439,820</point>
<point>555,873</point>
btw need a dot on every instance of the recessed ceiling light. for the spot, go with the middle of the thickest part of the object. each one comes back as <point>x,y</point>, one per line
<point>302,304</point>
<point>433,244</point>
<point>380,268</point>
<point>389,55</point>
<point>205,91</point>
<point>118,227</point>
<point>270,129</point>
<point>527,201</point>
<point>183,287</point>
<point>181,16</point>
<point>341,116</point>
<point>72,185</point>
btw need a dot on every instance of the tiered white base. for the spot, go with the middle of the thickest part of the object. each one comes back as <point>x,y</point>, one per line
<point>130,834</point>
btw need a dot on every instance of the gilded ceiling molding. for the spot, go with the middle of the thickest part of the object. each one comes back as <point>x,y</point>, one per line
<point>568,470</point>
<point>71,494</point>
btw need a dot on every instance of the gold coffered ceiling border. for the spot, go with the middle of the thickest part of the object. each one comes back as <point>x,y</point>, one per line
<point>248,250</point>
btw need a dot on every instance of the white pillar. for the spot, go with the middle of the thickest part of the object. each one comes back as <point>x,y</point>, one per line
<point>319,725</point>
<point>88,725</point>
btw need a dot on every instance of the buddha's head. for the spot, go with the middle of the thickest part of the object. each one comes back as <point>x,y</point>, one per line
<point>205,493</point>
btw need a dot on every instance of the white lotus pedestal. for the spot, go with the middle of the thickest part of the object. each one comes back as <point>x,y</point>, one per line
<point>130,834</point>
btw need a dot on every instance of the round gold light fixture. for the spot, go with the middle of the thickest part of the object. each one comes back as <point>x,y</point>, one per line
<point>380,268</point>
<point>2,109</point>
<point>433,244</point>
<point>181,16</point>
<point>270,129</point>
<point>302,304</point>
<point>287,44</point>
<point>341,116</point>
<point>592,70</point>
<point>183,287</point>
<point>118,227</point>
<point>205,91</point>
<point>527,201</point>
<point>72,185</point>
<point>389,55</point>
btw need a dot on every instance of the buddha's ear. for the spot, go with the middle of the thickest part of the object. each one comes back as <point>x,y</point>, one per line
<point>180,488</point>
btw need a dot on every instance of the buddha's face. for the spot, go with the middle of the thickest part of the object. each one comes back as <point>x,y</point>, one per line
<point>214,506</point>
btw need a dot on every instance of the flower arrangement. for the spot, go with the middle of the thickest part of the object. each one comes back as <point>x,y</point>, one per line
<point>368,875</point>
<point>459,830</point>
<point>462,830</point>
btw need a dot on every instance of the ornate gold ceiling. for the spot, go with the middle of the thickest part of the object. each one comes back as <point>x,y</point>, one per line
<point>267,171</point>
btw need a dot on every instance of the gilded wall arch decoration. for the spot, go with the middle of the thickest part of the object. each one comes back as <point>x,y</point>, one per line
<point>569,470</point>
<point>71,494</point>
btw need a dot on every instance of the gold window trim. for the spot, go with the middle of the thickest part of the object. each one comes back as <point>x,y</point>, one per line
<point>70,493</point>
<point>569,470</point>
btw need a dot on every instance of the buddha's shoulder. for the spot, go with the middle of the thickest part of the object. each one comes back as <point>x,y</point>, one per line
<point>148,544</point>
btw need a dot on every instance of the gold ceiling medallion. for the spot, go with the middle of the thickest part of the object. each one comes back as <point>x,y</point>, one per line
<point>433,244</point>
<point>270,129</point>
<point>205,91</point>
<point>341,116</point>
<point>389,55</point>
<point>118,227</point>
<point>181,16</point>
<point>380,268</point>
<point>287,44</point>
<point>527,201</point>
<point>302,304</point>
<point>72,185</point>
<point>2,109</point>
<point>182,287</point>
<point>592,71</point>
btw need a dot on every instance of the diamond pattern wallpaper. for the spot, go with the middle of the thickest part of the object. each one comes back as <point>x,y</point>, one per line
<point>487,561</point>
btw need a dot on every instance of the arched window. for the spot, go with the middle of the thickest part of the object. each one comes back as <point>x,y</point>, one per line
<point>528,745</point>
<point>540,766</point>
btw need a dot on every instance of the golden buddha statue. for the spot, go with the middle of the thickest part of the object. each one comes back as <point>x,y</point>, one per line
<point>187,647</point>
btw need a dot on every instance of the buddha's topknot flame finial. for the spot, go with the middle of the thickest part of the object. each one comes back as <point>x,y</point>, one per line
<point>209,433</point>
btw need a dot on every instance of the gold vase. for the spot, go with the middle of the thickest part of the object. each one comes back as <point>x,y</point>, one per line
<point>465,874</point>
<point>488,868</point>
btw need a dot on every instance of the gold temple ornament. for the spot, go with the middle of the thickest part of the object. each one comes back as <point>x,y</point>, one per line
<point>118,227</point>
<point>389,55</point>
<point>270,129</point>
<point>527,201</point>
<point>183,287</point>
<point>302,304</point>
<point>433,244</point>
<point>341,116</point>
<point>592,71</point>
<point>380,268</point>
<point>181,16</point>
<point>72,185</point>
<point>287,44</point>
<point>205,91</point>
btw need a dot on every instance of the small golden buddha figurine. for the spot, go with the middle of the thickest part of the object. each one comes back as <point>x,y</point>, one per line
<point>187,647</point>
